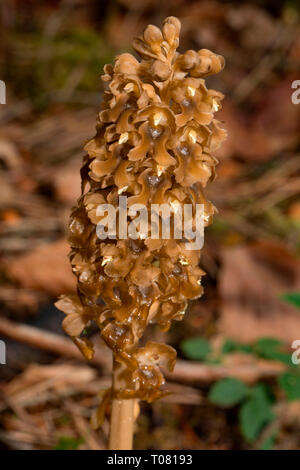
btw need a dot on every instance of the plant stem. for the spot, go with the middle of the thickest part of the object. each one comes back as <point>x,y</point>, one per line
<point>122,419</point>
<point>121,424</point>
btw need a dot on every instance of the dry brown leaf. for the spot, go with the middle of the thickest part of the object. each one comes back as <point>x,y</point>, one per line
<point>294,211</point>
<point>66,180</point>
<point>277,115</point>
<point>244,138</point>
<point>251,281</point>
<point>46,269</point>
<point>272,128</point>
<point>37,379</point>
<point>9,154</point>
<point>68,184</point>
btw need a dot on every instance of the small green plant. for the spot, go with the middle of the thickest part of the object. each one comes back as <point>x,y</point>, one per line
<point>290,383</point>
<point>255,405</point>
<point>292,298</point>
<point>196,348</point>
<point>68,443</point>
<point>256,413</point>
<point>228,392</point>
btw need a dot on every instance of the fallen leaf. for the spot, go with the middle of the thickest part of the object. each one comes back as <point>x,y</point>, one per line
<point>252,278</point>
<point>245,139</point>
<point>46,268</point>
<point>67,181</point>
<point>264,132</point>
<point>294,211</point>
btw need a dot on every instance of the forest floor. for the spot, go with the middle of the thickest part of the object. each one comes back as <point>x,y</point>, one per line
<point>51,61</point>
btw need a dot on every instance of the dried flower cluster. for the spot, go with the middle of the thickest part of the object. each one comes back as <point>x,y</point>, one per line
<point>154,143</point>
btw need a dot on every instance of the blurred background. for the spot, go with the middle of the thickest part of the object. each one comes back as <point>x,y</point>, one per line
<point>235,385</point>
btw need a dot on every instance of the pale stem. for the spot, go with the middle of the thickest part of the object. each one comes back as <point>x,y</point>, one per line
<point>121,420</point>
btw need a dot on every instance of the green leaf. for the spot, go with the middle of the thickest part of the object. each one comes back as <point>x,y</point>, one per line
<point>264,345</point>
<point>228,392</point>
<point>232,346</point>
<point>68,443</point>
<point>196,348</point>
<point>292,297</point>
<point>272,348</point>
<point>268,442</point>
<point>291,385</point>
<point>255,413</point>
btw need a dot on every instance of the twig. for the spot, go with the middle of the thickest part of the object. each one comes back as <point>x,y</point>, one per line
<point>21,440</point>
<point>44,340</point>
<point>185,371</point>
<point>28,425</point>
<point>284,38</point>
<point>89,436</point>
<point>194,372</point>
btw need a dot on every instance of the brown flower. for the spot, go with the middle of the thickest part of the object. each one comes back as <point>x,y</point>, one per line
<point>154,143</point>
